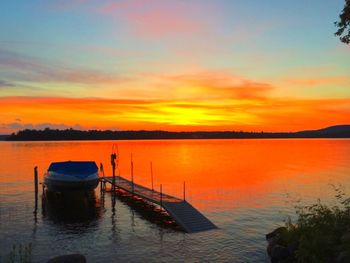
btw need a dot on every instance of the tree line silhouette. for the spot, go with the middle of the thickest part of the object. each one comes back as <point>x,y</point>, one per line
<point>340,131</point>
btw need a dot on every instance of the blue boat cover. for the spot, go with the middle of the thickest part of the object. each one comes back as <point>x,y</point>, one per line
<point>76,168</point>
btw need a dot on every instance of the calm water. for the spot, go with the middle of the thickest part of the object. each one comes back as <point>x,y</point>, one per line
<point>246,187</point>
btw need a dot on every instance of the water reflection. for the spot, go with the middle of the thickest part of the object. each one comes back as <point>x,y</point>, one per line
<point>70,209</point>
<point>241,185</point>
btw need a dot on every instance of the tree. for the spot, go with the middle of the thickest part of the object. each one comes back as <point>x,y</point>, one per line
<point>343,24</point>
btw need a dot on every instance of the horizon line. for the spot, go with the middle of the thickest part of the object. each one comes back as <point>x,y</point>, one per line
<point>194,131</point>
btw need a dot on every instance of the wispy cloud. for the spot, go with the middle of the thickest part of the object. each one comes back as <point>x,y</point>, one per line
<point>231,114</point>
<point>315,81</point>
<point>5,84</point>
<point>157,18</point>
<point>207,85</point>
<point>150,18</point>
<point>27,68</point>
<point>15,126</point>
<point>211,85</point>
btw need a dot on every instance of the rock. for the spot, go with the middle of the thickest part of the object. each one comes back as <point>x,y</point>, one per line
<point>276,233</point>
<point>276,250</point>
<point>72,258</point>
<point>343,257</point>
<point>279,253</point>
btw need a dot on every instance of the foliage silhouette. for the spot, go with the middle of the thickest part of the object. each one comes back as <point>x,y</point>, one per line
<point>321,232</point>
<point>340,131</point>
<point>343,24</point>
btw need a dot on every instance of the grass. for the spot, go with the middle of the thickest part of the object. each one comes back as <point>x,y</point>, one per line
<point>321,232</point>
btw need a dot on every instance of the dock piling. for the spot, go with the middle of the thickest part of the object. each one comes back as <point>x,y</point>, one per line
<point>102,183</point>
<point>113,178</point>
<point>132,174</point>
<point>161,195</point>
<point>152,176</point>
<point>184,190</point>
<point>36,187</point>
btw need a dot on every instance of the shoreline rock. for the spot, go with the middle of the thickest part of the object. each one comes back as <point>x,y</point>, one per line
<point>278,251</point>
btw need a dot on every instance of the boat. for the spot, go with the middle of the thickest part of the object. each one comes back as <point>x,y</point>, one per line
<point>71,176</point>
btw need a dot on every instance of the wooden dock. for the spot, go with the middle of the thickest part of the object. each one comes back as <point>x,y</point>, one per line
<point>185,215</point>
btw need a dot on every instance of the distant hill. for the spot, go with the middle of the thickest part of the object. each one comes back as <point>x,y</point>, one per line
<point>338,131</point>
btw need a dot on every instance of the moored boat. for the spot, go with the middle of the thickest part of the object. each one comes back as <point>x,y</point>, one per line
<point>71,176</point>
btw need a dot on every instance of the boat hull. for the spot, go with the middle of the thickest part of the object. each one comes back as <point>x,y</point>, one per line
<point>55,185</point>
<point>71,176</point>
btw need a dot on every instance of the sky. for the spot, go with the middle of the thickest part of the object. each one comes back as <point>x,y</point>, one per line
<point>177,65</point>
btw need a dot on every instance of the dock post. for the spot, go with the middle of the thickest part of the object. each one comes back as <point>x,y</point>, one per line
<point>184,191</point>
<point>102,170</point>
<point>161,195</point>
<point>101,180</point>
<point>36,187</point>
<point>132,175</point>
<point>113,178</point>
<point>113,157</point>
<point>152,176</point>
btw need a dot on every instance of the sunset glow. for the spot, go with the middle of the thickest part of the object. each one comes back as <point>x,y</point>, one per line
<point>172,65</point>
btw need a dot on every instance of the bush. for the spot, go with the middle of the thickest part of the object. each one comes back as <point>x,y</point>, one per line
<point>321,232</point>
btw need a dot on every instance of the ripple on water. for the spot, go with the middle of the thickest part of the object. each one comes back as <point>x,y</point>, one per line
<point>246,187</point>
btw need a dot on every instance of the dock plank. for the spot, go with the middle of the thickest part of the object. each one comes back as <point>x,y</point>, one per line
<point>188,217</point>
<point>185,215</point>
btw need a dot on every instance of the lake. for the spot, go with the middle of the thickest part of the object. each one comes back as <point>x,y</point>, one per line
<point>246,187</point>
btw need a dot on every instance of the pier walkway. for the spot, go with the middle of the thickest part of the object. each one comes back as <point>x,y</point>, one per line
<point>185,215</point>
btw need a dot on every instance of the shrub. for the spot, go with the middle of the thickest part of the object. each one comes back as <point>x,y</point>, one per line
<point>321,232</point>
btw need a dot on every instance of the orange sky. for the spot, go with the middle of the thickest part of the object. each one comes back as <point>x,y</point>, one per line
<point>172,65</point>
<point>250,114</point>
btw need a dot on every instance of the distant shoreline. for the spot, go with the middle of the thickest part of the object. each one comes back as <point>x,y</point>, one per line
<point>155,139</point>
<point>339,131</point>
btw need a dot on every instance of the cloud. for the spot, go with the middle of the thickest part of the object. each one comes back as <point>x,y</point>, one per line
<point>315,81</point>
<point>163,22</point>
<point>5,84</point>
<point>206,85</point>
<point>160,18</point>
<point>15,126</point>
<point>253,114</point>
<point>26,68</point>
<point>148,18</point>
<point>217,85</point>
<point>152,19</point>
